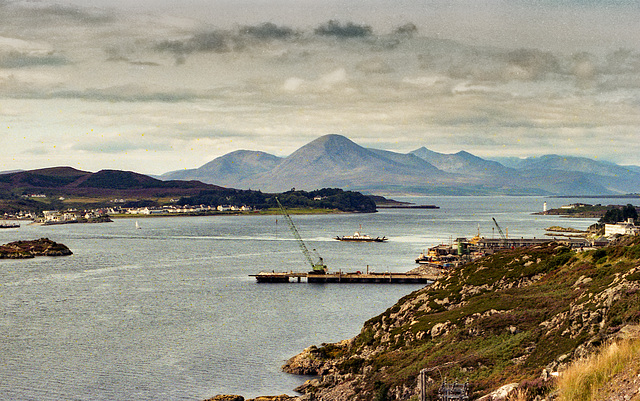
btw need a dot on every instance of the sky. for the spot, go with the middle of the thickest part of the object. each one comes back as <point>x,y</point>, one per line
<point>159,85</point>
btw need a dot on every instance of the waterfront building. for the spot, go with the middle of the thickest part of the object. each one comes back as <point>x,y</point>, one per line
<point>627,227</point>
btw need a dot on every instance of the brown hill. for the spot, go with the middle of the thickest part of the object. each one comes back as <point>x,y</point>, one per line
<point>67,181</point>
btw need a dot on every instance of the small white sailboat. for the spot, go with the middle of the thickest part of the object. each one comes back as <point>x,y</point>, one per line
<point>137,225</point>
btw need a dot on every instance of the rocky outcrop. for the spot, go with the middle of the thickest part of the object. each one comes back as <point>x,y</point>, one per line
<point>226,397</point>
<point>515,317</point>
<point>30,249</point>
<point>229,397</point>
<point>501,394</point>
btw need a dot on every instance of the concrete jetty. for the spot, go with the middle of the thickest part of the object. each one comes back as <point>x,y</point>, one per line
<point>346,278</point>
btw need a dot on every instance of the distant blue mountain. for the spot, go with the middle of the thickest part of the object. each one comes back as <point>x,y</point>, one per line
<point>577,175</point>
<point>229,169</point>
<point>336,161</point>
<point>462,163</point>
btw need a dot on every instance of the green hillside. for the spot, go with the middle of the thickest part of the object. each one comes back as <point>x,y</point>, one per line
<point>499,320</point>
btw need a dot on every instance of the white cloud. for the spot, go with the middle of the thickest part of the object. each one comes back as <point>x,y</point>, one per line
<point>200,89</point>
<point>293,84</point>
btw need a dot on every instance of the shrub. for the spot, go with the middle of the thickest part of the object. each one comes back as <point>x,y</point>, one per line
<point>351,365</point>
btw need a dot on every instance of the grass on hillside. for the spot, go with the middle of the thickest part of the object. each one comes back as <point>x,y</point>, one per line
<point>585,378</point>
<point>490,315</point>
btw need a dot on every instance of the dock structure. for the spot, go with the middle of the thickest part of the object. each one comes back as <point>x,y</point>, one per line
<point>340,277</point>
<point>506,243</point>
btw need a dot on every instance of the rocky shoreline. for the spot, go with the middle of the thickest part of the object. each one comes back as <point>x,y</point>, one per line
<point>33,248</point>
<point>510,323</point>
<point>518,317</point>
<point>231,397</point>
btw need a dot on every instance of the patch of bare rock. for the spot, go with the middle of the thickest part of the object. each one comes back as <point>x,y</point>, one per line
<point>229,397</point>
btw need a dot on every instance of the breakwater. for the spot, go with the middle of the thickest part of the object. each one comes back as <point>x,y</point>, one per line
<point>345,278</point>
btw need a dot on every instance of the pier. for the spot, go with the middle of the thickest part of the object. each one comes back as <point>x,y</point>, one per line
<point>346,278</point>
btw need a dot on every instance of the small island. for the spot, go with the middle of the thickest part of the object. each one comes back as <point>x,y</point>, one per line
<point>33,248</point>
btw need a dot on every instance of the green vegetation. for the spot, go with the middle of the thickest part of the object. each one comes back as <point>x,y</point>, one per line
<point>606,213</point>
<point>319,200</point>
<point>498,320</point>
<point>618,214</point>
<point>327,198</point>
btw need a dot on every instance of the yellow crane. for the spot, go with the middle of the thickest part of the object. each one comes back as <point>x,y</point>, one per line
<point>318,267</point>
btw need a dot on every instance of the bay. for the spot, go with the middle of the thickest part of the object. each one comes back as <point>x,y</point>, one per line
<point>168,311</point>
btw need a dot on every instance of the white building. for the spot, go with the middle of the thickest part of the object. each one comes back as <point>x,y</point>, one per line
<point>621,228</point>
<point>52,215</point>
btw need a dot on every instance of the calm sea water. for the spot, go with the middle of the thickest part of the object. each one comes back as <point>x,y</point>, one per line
<point>169,312</point>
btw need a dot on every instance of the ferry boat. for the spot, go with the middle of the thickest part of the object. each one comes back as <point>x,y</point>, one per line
<point>9,225</point>
<point>359,237</point>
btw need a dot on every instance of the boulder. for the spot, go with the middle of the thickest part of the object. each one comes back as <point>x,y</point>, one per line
<point>500,394</point>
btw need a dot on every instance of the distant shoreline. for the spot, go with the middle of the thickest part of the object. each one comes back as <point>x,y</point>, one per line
<point>407,207</point>
<point>626,196</point>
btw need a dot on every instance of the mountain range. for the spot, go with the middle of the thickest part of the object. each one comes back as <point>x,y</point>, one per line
<point>336,161</point>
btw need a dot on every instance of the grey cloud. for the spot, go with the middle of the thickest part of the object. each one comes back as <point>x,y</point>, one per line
<point>119,146</point>
<point>535,64</point>
<point>347,30</point>
<point>46,14</point>
<point>490,117</point>
<point>497,66</point>
<point>492,66</point>
<point>127,54</point>
<point>623,61</point>
<point>374,66</point>
<point>621,82</point>
<point>267,31</point>
<point>212,41</point>
<point>76,14</point>
<point>223,41</point>
<point>409,29</point>
<point>250,37</point>
<point>144,63</point>
<point>125,94</point>
<point>16,59</point>
<point>37,151</point>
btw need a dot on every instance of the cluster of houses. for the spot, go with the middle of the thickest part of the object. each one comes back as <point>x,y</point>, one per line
<point>171,210</point>
<point>72,215</point>
<point>55,216</point>
<point>21,215</point>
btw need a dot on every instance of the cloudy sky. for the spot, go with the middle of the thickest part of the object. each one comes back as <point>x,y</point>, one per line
<point>159,85</point>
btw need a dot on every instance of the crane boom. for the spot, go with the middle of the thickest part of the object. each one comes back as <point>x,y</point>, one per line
<point>499,229</point>
<point>318,267</point>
